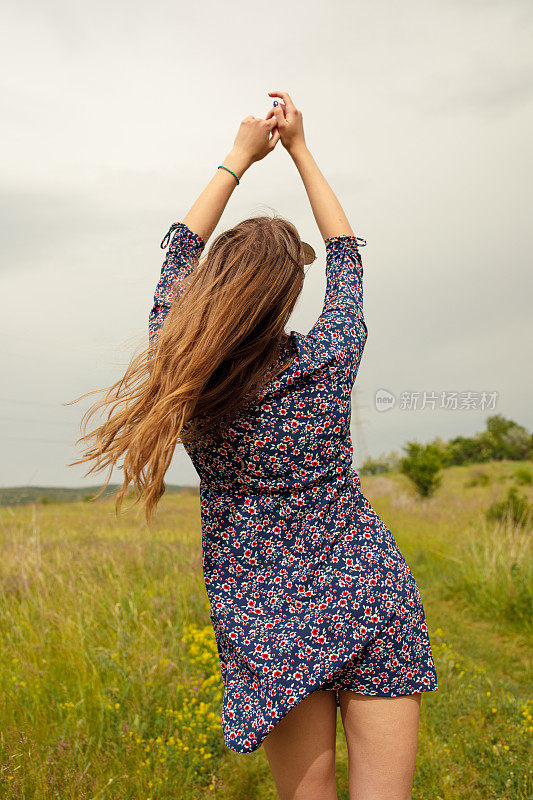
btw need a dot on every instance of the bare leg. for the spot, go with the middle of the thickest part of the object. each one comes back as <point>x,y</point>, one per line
<point>382,739</point>
<point>301,749</point>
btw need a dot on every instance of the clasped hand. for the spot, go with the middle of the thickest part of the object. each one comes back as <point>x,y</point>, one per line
<point>256,138</point>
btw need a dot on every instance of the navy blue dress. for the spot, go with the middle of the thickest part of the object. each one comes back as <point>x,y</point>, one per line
<point>307,586</point>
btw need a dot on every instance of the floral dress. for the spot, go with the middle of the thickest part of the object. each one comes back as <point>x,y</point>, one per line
<point>307,586</point>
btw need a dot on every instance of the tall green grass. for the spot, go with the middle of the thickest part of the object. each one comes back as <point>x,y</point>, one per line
<point>109,678</point>
<point>493,570</point>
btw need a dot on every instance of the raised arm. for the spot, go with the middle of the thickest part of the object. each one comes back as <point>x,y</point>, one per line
<point>255,139</point>
<point>340,332</point>
<point>327,210</point>
<point>252,143</point>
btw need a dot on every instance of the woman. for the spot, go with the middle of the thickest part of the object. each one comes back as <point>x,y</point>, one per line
<point>312,603</point>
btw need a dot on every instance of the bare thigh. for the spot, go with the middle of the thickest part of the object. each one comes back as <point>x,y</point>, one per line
<point>382,740</point>
<point>301,749</point>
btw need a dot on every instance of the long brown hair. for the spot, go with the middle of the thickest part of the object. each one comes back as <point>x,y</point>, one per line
<point>219,344</point>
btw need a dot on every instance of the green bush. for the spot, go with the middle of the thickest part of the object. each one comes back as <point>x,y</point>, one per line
<point>422,465</point>
<point>515,508</point>
<point>468,450</point>
<point>523,475</point>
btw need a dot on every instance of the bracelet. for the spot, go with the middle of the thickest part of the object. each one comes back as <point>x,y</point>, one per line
<point>229,170</point>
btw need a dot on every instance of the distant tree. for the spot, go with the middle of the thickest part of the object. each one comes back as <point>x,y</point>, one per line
<point>507,439</point>
<point>377,466</point>
<point>422,465</point>
<point>373,466</point>
<point>502,438</point>
<point>468,450</point>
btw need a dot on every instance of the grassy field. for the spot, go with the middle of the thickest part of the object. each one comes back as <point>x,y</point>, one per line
<point>109,677</point>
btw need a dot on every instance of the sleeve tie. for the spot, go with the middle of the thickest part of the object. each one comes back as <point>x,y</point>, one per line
<point>166,238</point>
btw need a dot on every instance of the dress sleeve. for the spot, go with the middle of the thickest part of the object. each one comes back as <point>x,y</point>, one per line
<point>340,331</point>
<point>181,259</point>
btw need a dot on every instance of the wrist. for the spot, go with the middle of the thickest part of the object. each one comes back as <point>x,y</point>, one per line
<point>238,161</point>
<point>298,150</point>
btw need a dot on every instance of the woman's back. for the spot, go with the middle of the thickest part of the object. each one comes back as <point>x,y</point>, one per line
<point>296,434</point>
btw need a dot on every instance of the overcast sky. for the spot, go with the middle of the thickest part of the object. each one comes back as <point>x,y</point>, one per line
<point>115,116</point>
